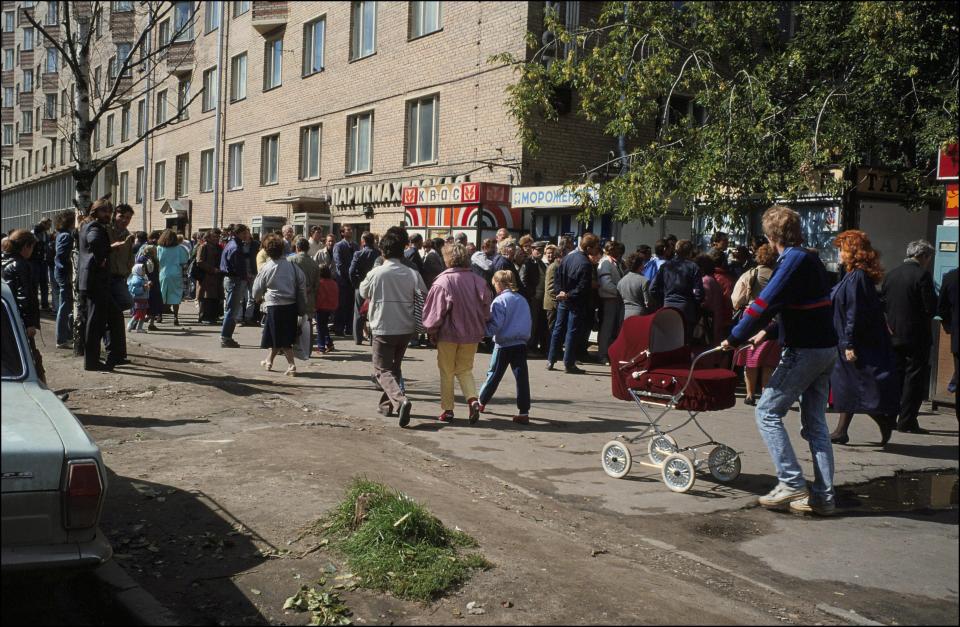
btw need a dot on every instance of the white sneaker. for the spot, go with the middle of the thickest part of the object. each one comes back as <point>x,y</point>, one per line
<point>805,506</point>
<point>782,495</point>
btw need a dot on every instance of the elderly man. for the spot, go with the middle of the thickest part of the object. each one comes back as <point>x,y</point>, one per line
<point>480,261</point>
<point>289,246</point>
<point>911,303</point>
<point>502,234</point>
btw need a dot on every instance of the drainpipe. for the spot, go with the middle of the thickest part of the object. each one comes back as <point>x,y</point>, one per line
<point>220,96</point>
<point>146,196</point>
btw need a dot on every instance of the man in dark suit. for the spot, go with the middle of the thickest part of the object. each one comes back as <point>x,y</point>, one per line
<point>93,282</point>
<point>412,256</point>
<point>949,311</point>
<point>360,265</point>
<point>343,252</point>
<point>910,304</point>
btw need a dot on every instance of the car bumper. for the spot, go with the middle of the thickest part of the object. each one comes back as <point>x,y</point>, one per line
<point>70,555</point>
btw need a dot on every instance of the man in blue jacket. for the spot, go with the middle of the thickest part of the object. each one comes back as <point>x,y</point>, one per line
<point>799,291</point>
<point>360,266</point>
<point>571,286</point>
<point>233,267</point>
<point>342,257</point>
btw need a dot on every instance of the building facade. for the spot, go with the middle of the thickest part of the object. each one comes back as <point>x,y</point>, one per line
<point>300,113</point>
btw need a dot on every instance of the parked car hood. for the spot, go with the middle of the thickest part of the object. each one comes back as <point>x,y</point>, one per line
<point>38,432</point>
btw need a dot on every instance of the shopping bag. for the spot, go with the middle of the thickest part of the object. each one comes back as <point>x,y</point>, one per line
<point>301,349</point>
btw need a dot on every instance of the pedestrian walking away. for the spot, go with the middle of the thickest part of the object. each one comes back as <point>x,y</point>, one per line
<point>282,288</point>
<point>454,316</point>
<point>509,325</point>
<point>235,272</point>
<point>572,284</point>
<point>363,261</point>
<point>63,271</point>
<point>391,289</point>
<point>799,295</point>
<point>173,259</point>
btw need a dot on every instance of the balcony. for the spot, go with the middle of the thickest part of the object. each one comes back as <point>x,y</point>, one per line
<point>25,100</point>
<point>50,82</point>
<point>268,16</point>
<point>8,152</point>
<point>26,59</point>
<point>22,16</point>
<point>180,57</point>
<point>6,115</point>
<point>7,78</point>
<point>122,25</point>
<point>9,40</point>
<point>48,128</point>
<point>25,140</point>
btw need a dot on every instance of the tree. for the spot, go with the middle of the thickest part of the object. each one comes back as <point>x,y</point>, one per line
<point>76,39</point>
<point>739,103</point>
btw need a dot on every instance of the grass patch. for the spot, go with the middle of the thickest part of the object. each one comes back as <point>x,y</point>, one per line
<point>392,543</point>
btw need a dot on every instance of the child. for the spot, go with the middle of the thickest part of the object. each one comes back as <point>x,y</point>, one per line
<point>139,288</point>
<point>509,326</point>
<point>328,297</point>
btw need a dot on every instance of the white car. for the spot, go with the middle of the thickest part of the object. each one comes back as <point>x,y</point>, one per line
<point>53,475</point>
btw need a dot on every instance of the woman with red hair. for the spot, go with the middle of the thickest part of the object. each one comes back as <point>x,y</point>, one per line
<point>865,378</point>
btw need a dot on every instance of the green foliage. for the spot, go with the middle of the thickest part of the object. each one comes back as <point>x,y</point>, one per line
<point>326,607</point>
<point>398,545</point>
<point>857,83</point>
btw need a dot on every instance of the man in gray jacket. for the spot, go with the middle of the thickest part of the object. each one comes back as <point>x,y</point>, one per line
<point>391,288</point>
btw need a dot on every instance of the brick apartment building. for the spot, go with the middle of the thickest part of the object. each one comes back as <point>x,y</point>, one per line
<point>327,112</point>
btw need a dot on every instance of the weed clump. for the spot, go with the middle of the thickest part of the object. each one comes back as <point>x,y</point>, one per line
<point>393,543</point>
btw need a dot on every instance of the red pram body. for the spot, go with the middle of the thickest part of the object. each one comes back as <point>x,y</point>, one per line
<point>650,358</point>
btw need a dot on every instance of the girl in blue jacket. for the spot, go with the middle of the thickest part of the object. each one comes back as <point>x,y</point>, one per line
<point>509,325</point>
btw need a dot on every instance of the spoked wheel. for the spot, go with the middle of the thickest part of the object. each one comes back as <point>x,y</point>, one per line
<point>660,447</point>
<point>616,459</point>
<point>724,463</point>
<point>678,473</point>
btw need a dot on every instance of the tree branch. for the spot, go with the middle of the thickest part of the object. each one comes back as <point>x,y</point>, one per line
<point>71,61</point>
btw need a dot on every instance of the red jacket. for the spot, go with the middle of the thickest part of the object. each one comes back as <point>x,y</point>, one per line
<point>328,295</point>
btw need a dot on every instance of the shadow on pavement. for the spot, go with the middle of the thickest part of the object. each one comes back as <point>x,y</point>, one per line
<point>183,548</point>
<point>934,451</point>
<point>136,422</point>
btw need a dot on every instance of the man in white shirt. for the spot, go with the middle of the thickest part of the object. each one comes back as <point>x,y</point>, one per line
<point>316,241</point>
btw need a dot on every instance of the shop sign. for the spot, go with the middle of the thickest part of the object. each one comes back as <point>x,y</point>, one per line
<point>878,182</point>
<point>547,197</point>
<point>948,163</point>
<point>952,205</point>
<point>389,192</point>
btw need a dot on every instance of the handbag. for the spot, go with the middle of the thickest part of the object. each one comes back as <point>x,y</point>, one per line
<point>418,301</point>
<point>301,349</point>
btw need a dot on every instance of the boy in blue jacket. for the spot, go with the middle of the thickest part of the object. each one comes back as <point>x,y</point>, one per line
<point>509,325</point>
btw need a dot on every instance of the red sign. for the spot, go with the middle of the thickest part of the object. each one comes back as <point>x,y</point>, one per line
<point>456,194</point>
<point>953,195</point>
<point>948,163</point>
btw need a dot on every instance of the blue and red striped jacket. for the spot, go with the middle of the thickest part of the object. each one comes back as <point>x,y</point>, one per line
<point>799,291</point>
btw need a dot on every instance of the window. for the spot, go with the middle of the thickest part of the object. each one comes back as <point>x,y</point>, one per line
<point>422,118</point>
<point>96,137</point>
<point>163,33</point>
<point>27,121</point>
<point>8,96</point>
<point>50,107</point>
<point>313,36</point>
<point>363,29</point>
<point>8,21</point>
<point>310,152</point>
<point>63,102</point>
<point>235,167</point>
<point>211,16</point>
<point>8,134</point>
<point>51,60</point>
<point>183,21</point>
<point>37,118</point>
<point>123,56</point>
<point>183,99</point>
<point>272,63</point>
<point>359,132</point>
<point>28,80</point>
<point>8,59</point>
<point>27,39</point>
<point>209,89</point>
<point>161,107</point>
<point>52,17</point>
<point>424,18</point>
<point>110,130</point>
<point>239,8</point>
<point>121,7</point>
<point>62,150</point>
<point>98,22</point>
<point>96,82</point>
<point>181,185</point>
<point>269,159</point>
<point>112,68</point>
<point>141,117</point>
<point>139,191</point>
<point>238,77</point>
<point>206,171</point>
<point>124,186</point>
<point>125,123</point>
<point>159,180</point>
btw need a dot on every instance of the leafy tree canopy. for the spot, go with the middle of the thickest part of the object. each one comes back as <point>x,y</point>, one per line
<point>856,83</point>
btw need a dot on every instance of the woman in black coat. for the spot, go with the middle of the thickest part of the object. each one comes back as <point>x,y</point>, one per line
<point>679,284</point>
<point>865,378</point>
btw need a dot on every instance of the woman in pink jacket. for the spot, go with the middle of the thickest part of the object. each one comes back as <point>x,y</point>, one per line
<point>455,315</point>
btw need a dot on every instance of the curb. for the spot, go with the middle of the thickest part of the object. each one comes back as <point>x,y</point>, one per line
<point>142,607</point>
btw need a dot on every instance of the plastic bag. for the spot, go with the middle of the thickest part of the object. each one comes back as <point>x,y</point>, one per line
<point>301,350</point>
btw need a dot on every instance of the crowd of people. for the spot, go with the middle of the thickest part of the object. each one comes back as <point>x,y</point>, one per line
<point>861,345</point>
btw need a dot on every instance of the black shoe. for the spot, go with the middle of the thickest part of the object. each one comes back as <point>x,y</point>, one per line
<point>841,438</point>
<point>574,370</point>
<point>228,342</point>
<point>750,400</point>
<point>404,413</point>
<point>99,367</point>
<point>918,429</point>
<point>118,362</point>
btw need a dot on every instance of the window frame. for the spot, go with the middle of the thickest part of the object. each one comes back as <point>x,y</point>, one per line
<point>139,181</point>
<point>356,30</point>
<point>160,114</point>
<point>160,180</point>
<point>163,33</point>
<point>28,72</point>
<point>238,5</point>
<point>49,113</point>
<point>311,26</point>
<point>354,144</point>
<point>111,127</point>
<point>232,171</point>
<point>411,34</point>
<point>303,173</point>
<point>208,25</point>
<point>233,77</point>
<point>187,34</point>
<point>267,160</point>
<point>125,123</point>
<point>118,7</point>
<point>8,126</point>
<point>210,96</point>
<point>181,176</point>
<point>53,9</point>
<point>28,31</point>
<point>183,98</point>
<point>206,161</point>
<point>269,50</point>
<point>123,186</point>
<point>46,67</point>
<point>413,134</point>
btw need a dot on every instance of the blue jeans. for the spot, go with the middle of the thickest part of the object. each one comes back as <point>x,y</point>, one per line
<point>515,358</point>
<point>232,304</point>
<point>65,310</point>
<point>39,270</point>
<point>54,288</point>
<point>566,332</point>
<point>803,373</point>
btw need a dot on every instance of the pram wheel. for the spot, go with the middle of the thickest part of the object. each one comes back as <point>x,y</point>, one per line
<point>678,472</point>
<point>660,447</point>
<point>616,459</point>
<point>724,463</point>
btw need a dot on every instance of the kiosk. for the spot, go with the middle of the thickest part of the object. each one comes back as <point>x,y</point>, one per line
<point>945,260</point>
<point>476,209</point>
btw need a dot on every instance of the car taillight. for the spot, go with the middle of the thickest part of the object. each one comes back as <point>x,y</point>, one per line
<point>81,494</point>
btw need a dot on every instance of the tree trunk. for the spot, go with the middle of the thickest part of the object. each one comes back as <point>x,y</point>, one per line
<point>83,176</point>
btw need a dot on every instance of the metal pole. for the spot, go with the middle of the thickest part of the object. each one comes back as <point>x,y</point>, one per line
<point>144,193</point>
<point>220,97</point>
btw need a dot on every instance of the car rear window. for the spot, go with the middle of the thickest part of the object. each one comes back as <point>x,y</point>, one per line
<point>13,365</point>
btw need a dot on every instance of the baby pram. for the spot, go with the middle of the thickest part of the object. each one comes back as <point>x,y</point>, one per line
<point>652,366</point>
